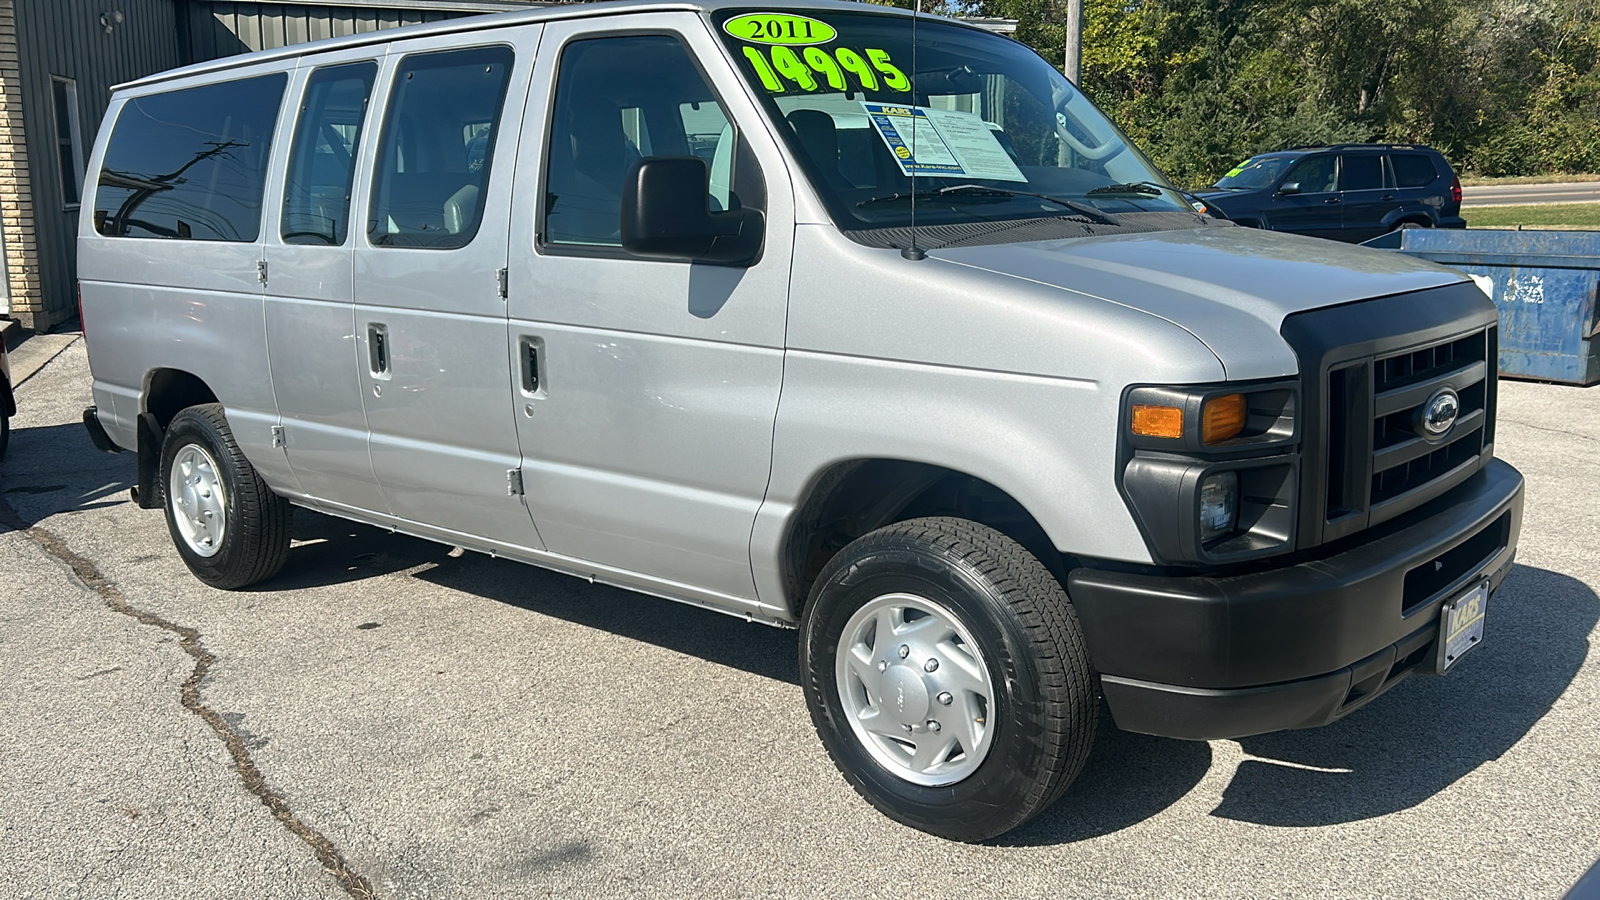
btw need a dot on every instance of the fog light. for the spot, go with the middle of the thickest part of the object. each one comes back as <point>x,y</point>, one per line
<point>1219,505</point>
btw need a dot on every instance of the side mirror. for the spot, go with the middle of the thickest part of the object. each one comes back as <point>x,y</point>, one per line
<point>1292,187</point>
<point>665,215</point>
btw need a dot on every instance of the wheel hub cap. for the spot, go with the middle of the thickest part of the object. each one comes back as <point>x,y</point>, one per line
<point>905,695</point>
<point>199,506</point>
<point>915,689</point>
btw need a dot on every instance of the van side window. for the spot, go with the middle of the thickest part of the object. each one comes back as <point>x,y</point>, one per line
<point>437,147</point>
<point>619,100</point>
<point>322,159</point>
<point>190,164</point>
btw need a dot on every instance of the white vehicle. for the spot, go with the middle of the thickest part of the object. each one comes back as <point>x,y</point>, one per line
<point>777,311</point>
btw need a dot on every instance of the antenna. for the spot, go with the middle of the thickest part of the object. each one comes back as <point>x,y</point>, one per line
<point>914,252</point>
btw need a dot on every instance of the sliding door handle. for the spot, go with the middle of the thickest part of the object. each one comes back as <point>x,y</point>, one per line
<point>530,362</point>
<point>378,348</point>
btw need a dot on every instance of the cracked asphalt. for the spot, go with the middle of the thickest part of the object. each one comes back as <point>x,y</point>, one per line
<point>388,718</point>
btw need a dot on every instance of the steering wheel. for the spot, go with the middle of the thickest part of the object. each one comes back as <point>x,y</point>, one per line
<point>1108,147</point>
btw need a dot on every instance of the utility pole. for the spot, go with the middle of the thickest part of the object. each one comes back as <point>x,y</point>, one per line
<point>1073,68</point>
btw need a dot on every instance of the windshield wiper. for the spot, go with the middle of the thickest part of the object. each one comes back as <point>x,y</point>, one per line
<point>980,191</point>
<point>1136,187</point>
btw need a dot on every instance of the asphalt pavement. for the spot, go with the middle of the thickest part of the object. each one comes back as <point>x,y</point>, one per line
<point>1526,194</point>
<point>391,718</point>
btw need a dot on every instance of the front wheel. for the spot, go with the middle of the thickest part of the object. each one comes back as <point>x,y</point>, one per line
<point>947,677</point>
<point>229,527</point>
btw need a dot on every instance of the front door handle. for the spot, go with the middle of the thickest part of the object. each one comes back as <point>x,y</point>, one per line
<point>1333,199</point>
<point>378,348</point>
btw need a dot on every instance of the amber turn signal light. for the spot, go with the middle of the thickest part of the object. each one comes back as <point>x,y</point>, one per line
<point>1158,421</point>
<point>1222,418</point>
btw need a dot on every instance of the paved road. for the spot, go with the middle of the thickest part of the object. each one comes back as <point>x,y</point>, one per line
<point>427,725</point>
<point>1520,194</point>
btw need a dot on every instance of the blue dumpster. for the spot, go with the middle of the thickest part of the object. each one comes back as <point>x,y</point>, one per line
<point>1543,282</point>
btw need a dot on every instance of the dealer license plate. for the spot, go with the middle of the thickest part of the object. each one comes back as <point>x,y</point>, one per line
<point>1461,624</point>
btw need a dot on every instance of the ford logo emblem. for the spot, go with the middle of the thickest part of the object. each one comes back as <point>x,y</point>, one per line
<point>1438,414</point>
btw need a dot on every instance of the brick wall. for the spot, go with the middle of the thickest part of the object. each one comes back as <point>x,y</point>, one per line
<point>16,194</point>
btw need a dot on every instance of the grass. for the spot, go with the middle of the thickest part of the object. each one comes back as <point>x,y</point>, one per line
<point>1545,215</point>
<point>1470,180</point>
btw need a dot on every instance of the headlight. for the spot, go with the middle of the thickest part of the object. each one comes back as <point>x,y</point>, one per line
<point>1211,472</point>
<point>1219,505</point>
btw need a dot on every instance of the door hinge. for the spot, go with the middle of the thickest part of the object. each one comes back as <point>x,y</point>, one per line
<point>277,436</point>
<point>502,280</point>
<point>261,271</point>
<point>513,482</point>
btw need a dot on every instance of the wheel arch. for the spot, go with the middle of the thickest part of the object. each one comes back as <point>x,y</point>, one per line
<point>168,392</point>
<point>853,497</point>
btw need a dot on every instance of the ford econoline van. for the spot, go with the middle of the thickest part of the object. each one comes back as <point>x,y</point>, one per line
<point>818,314</point>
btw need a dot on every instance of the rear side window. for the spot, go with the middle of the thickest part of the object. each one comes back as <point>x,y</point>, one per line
<point>437,148</point>
<point>1413,170</point>
<point>1361,173</point>
<point>322,159</point>
<point>190,164</point>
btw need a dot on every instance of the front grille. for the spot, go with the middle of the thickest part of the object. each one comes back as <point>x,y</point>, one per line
<point>1367,370</point>
<point>1403,461</point>
<point>1378,458</point>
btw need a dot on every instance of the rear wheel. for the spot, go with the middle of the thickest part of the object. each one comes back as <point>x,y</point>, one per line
<point>947,677</point>
<point>229,527</point>
<point>5,435</point>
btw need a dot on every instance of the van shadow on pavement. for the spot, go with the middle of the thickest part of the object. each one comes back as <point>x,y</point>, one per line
<point>1426,733</point>
<point>1405,747</point>
<point>39,478</point>
<point>715,637</point>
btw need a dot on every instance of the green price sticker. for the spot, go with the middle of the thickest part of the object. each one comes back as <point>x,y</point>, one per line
<point>779,28</point>
<point>782,68</point>
<point>1237,169</point>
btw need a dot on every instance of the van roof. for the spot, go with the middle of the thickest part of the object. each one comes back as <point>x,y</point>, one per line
<point>554,12</point>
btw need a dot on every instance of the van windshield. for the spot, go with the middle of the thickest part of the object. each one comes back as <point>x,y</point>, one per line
<point>990,130</point>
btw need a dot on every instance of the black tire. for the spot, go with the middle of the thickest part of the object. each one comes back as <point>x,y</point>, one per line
<point>1045,705</point>
<point>5,435</point>
<point>254,541</point>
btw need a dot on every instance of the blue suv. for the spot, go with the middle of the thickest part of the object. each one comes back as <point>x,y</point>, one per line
<point>1347,192</point>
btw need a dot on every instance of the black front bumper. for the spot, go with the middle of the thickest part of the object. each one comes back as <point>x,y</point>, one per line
<point>1207,657</point>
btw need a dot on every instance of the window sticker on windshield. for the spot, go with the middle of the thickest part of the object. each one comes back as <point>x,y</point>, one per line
<point>779,28</point>
<point>943,142</point>
<point>807,68</point>
<point>1237,169</point>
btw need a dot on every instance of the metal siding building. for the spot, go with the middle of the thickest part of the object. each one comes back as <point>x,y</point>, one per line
<point>57,54</point>
<point>209,29</point>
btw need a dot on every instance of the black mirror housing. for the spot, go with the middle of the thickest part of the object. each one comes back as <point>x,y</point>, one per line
<point>665,216</point>
<point>1292,187</point>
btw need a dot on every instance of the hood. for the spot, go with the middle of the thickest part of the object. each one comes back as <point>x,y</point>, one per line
<point>1229,287</point>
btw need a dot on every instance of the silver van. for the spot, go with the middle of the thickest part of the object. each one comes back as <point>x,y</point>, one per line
<point>821,315</point>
